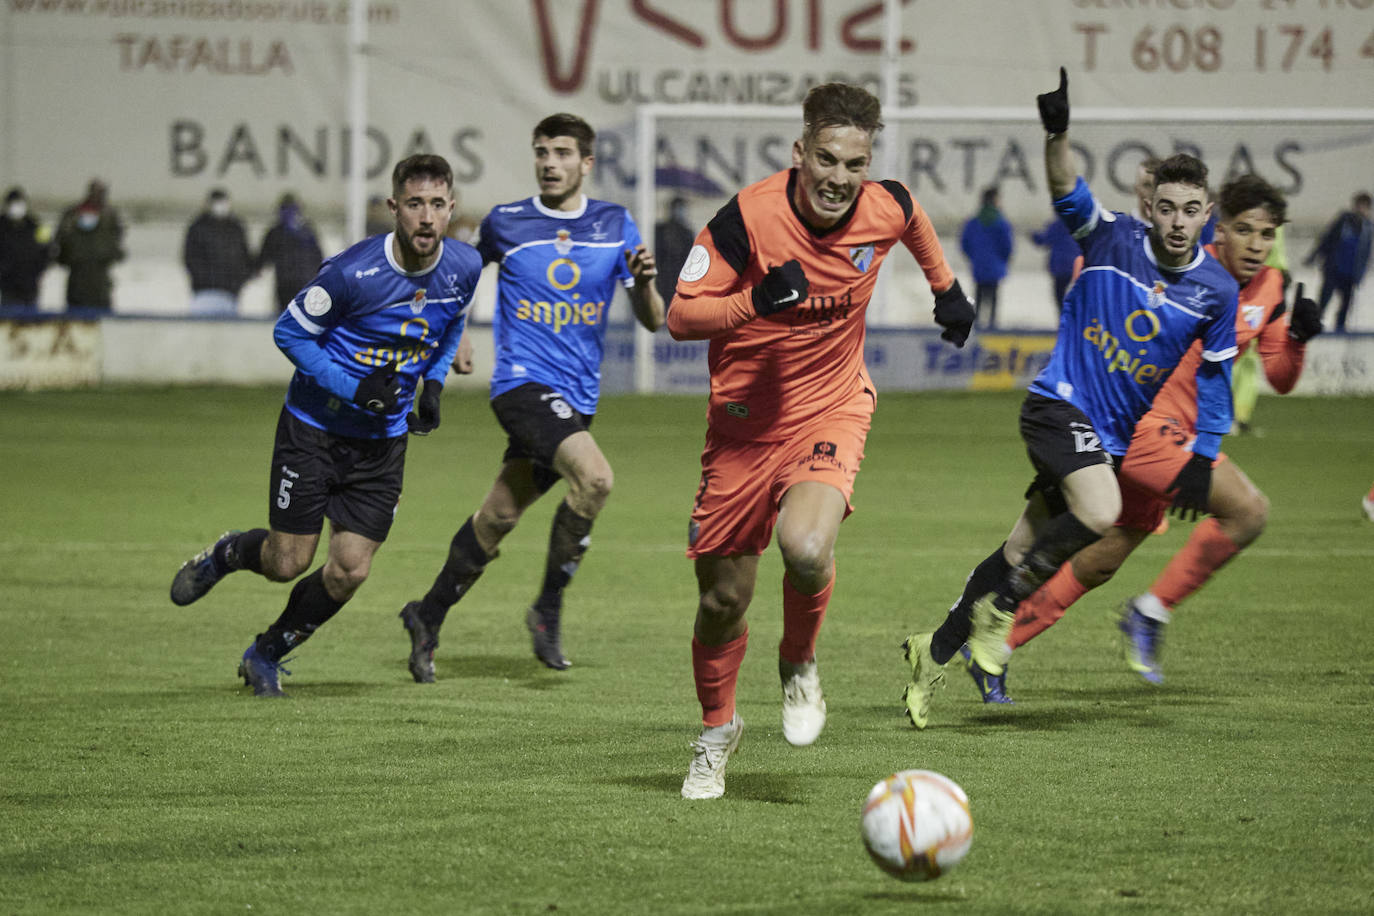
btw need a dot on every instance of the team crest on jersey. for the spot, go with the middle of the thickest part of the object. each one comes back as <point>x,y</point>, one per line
<point>1253,315</point>
<point>562,243</point>
<point>1156,298</point>
<point>417,304</point>
<point>862,257</point>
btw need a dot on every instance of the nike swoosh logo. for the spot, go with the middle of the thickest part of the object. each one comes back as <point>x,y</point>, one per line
<point>815,468</point>
<point>792,298</point>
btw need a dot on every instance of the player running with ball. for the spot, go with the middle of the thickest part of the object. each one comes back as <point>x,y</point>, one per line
<point>779,281</point>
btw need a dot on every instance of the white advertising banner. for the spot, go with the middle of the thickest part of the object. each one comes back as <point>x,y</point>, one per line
<point>49,354</point>
<point>163,99</point>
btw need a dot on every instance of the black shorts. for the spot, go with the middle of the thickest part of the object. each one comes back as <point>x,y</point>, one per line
<point>1060,439</point>
<point>537,419</point>
<point>356,483</point>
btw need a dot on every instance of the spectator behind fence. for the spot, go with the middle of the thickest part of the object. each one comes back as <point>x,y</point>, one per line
<point>1344,252</point>
<point>987,242</point>
<point>1064,251</point>
<point>217,257</point>
<point>90,240</point>
<point>25,250</point>
<point>292,249</point>
<point>673,240</point>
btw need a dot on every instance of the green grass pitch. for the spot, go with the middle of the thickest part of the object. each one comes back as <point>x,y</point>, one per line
<point>140,776</point>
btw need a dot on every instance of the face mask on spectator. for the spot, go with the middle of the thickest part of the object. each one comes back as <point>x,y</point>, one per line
<point>17,210</point>
<point>219,209</point>
<point>87,219</point>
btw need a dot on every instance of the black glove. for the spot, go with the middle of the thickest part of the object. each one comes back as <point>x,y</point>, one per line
<point>379,390</point>
<point>955,314</point>
<point>782,287</point>
<point>1306,320</point>
<point>1191,488</point>
<point>1054,106</point>
<point>427,404</point>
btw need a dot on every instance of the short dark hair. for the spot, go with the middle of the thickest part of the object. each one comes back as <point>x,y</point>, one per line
<point>1249,191</point>
<point>990,195</point>
<point>421,165</point>
<point>1363,199</point>
<point>1182,168</point>
<point>840,105</point>
<point>567,125</point>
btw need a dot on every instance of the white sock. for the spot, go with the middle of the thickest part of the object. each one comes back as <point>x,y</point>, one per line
<point>1150,606</point>
<point>721,733</point>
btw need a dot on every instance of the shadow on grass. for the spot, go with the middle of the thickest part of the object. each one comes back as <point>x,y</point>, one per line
<point>525,670</point>
<point>761,787</point>
<point>915,896</point>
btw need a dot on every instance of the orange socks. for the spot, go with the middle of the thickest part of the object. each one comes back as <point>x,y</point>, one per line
<point>716,669</point>
<point>1207,550</point>
<point>801,621</point>
<point>1041,610</point>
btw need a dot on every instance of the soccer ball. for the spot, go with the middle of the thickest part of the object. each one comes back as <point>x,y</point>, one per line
<point>916,825</point>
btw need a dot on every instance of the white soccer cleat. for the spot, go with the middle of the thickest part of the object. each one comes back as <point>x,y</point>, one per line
<point>1368,503</point>
<point>710,753</point>
<point>803,706</point>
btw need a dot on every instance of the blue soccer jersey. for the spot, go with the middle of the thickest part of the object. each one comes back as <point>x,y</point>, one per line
<point>1127,322</point>
<point>559,272</point>
<point>364,310</point>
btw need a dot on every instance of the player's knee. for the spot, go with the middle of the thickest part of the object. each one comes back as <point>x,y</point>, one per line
<point>493,523</point>
<point>1094,572</point>
<point>1248,523</point>
<point>809,559</point>
<point>722,606</point>
<point>1099,517</point>
<point>588,494</point>
<point>284,566</point>
<point>342,579</point>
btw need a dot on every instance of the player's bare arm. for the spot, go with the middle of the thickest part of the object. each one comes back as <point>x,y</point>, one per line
<point>644,297</point>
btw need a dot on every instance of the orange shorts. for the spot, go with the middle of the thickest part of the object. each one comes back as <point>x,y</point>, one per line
<point>742,482</point>
<point>1158,451</point>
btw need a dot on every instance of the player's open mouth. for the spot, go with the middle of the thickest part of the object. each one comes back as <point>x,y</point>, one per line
<point>831,198</point>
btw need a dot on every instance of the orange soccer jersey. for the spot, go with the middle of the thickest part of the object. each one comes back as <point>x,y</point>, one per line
<point>772,375</point>
<point>1259,320</point>
<point>1160,446</point>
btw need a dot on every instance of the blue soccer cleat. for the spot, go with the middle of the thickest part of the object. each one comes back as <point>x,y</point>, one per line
<point>992,687</point>
<point>199,574</point>
<point>1143,637</point>
<point>262,674</point>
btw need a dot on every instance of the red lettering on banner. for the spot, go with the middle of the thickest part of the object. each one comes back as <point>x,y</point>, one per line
<point>573,80</point>
<point>727,22</point>
<point>849,31</point>
<point>566,73</point>
<point>661,20</point>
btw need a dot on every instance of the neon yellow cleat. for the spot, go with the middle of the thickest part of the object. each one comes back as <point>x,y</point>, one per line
<point>926,674</point>
<point>987,643</point>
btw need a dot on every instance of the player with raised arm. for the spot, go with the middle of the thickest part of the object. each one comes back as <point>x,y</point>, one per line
<point>562,256</point>
<point>1252,210</point>
<point>379,320</point>
<point>779,281</point>
<point>1145,294</point>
